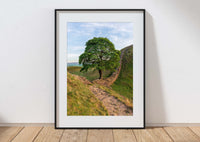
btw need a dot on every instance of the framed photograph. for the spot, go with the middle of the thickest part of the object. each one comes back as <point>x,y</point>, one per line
<point>99,68</point>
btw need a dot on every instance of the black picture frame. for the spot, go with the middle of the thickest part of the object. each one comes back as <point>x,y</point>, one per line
<point>55,77</point>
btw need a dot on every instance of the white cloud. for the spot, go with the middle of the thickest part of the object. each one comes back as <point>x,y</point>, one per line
<point>116,27</point>
<point>121,34</point>
<point>120,42</point>
<point>72,57</point>
<point>77,48</point>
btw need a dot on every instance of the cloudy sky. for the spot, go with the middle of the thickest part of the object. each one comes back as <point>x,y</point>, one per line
<point>121,34</point>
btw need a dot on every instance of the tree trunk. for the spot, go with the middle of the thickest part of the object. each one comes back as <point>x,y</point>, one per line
<point>100,74</point>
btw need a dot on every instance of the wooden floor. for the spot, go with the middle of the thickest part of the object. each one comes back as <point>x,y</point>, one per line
<point>49,134</point>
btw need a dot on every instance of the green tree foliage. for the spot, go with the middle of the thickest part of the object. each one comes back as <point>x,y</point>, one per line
<point>100,54</point>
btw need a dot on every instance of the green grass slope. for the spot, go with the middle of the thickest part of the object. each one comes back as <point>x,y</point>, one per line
<point>124,83</point>
<point>80,100</point>
<point>90,74</point>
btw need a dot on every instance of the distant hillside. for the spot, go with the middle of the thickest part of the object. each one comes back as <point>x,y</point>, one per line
<point>90,74</point>
<point>124,83</point>
<point>71,64</point>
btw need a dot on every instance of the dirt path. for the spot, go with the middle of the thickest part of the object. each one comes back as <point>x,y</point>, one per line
<point>110,80</point>
<point>113,105</point>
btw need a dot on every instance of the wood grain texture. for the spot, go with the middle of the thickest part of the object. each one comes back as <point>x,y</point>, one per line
<point>8,133</point>
<point>182,134</point>
<point>196,130</point>
<point>123,135</point>
<point>101,135</point>
<point>74,135</point>
<point>152,135</point>
<point>27,134</point>
<point>49,134</point>
<point>143,136</point>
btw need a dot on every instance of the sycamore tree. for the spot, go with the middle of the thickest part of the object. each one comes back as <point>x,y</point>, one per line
<point>100,54</point>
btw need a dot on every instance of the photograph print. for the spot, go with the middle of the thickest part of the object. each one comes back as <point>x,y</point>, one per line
<point>99,68</point>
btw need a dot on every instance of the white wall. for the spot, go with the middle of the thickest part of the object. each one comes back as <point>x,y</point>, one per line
<point>27,58</point>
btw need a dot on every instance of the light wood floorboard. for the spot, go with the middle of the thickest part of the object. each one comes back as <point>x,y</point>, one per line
<point>100,135</point>
<point>49,134</point>
<point>74,135</point>
<point>9,133</point>
<point>123,135</point>
<point>152,135</point>
<point>196,130</point>
<point>182,134</point>
<point>27,134</point>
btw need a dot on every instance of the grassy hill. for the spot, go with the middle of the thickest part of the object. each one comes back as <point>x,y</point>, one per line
<point>80,100</point>
<point>90,74</point>
<point>124,83</point>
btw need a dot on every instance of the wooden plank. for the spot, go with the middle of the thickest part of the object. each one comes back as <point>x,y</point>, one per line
<point>159,134</point>
<point>143,135</point>
<point>196,130</point>
<point>49,134</point>
<point>27,134</point>
<point>152,135</point>
<point>74,135</point>
<point>182,134</point>
<point>123,135</point>
<point>100,135</point>
<point>8,133</point>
